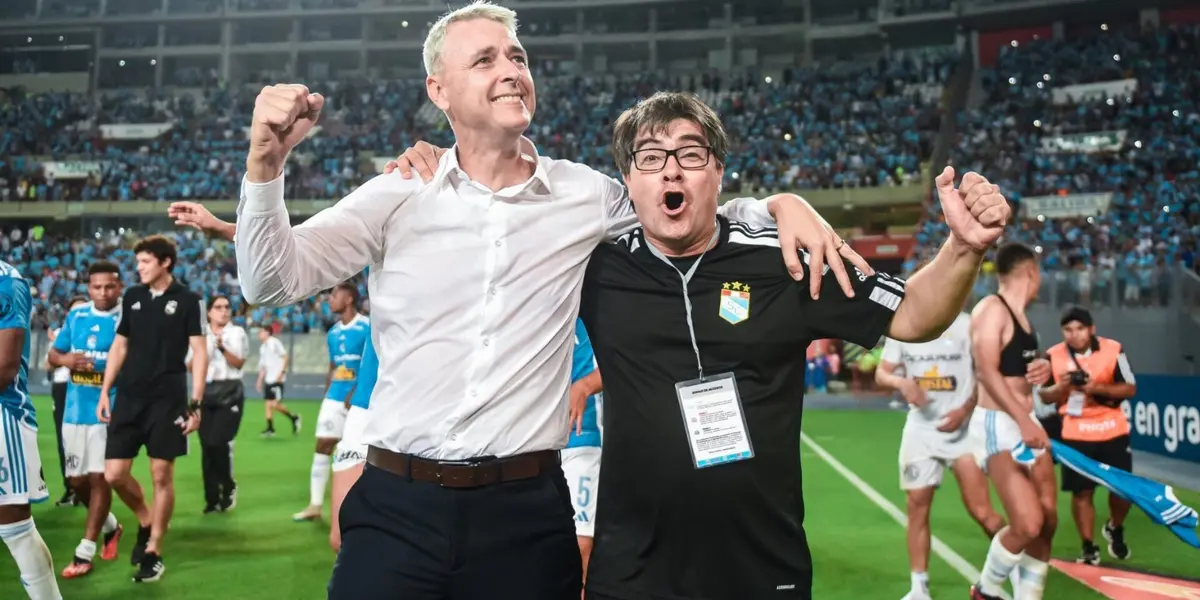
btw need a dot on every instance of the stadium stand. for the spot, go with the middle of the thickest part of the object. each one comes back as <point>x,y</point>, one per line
<point>1139,141</point>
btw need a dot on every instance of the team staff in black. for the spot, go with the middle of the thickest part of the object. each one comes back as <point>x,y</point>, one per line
<point>224,400</point>
<point>702,331</point>
<point>160,320</point>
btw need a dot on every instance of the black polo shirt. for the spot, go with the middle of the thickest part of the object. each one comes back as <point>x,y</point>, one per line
<point>157,328</point>
<point>666,529</point>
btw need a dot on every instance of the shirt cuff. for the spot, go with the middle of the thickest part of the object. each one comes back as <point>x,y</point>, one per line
<point>261,198</point>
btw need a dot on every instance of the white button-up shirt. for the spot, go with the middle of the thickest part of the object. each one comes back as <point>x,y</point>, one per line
<point>236,342</point>
<point>474,294</point>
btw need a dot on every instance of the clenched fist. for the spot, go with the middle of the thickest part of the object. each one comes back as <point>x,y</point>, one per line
<point>283,116</point>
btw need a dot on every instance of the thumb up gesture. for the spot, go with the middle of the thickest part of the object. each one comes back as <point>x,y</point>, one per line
<point>283,116</point>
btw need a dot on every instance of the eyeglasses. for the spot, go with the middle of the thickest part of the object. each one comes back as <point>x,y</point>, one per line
<point>653,160</point>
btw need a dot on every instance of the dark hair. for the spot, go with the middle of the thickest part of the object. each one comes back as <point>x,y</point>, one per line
<point>656,113</point>
<point>158,246</point>
<point>213,300</point>
<point>1012,255</point>
<point>350,289</point>
<point>104,266</point>
<point>1076,313</point>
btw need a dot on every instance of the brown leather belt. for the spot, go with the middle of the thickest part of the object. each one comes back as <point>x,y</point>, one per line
<point>463,473</point>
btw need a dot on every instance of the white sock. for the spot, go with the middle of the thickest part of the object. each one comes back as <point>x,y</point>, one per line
<point>33,559</point>
<point>318,479</point>
<point>920,583</point>
<point>1033,578</point>
<point>85,550</point>
<point>110,524</point>
<point>999,564</point>
<point>1014,578</point>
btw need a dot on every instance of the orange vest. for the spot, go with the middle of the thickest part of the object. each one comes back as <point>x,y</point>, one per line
<point>1096,422</point>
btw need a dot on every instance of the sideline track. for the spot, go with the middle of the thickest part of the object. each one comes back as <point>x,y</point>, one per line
<point>946,553</point>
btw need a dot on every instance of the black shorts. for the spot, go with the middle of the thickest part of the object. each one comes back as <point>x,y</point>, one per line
<point>152,416</point>
<point>221,412</point>
<point>1114,453</point>
<point>273,391</point>
<point>1053,426</point>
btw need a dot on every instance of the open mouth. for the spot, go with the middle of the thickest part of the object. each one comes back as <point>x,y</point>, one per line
<point>673,202</point>
<point>508,99</point>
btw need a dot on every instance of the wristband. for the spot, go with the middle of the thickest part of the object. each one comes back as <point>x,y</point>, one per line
<point>194,407</point>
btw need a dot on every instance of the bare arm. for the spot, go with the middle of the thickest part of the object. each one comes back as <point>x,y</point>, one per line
<point>886,377</point>
<point>60,359</point>
<point>937,293</point>
<point>116,359</point>
<point>199,347</point>
<point>12,343</point>
<point>590,384</point>
<point>989,321</point>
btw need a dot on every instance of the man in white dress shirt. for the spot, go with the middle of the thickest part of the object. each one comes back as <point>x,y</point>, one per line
<point>475,281</point>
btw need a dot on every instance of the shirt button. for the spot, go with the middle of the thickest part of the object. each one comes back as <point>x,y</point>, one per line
<point>453,437</point>
<point>487,342</point>
<point>497,243</point>
<point>492,291</point>
<point>474,393</point>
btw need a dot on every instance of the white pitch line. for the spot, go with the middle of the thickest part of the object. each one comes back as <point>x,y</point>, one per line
<point>946,553</point>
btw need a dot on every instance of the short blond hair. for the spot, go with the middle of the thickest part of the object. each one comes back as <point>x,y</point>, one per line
<point>479,9</point>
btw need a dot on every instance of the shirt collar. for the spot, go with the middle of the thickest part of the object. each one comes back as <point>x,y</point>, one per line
<point>448,169</point>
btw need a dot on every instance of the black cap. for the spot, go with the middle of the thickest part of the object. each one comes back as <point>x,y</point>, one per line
<point>1076,313</point>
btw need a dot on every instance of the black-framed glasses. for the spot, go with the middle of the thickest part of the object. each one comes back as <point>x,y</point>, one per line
<point>653,160</point>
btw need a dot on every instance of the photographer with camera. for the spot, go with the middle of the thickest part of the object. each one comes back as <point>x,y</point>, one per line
<point>1090,379</point>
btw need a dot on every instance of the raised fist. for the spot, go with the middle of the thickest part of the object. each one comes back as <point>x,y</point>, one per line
<point>283,115</point>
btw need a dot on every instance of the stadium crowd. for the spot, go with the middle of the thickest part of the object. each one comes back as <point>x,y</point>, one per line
<point>856,124</point>
<point>1153,222</point>
<point>57,265</point>
<point>852,124</point>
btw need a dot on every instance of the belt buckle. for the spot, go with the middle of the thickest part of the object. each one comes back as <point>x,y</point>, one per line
<point>469,463</point>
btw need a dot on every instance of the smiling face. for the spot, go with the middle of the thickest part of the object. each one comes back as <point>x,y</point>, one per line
<point>671,150</point>
<point>482,79</point>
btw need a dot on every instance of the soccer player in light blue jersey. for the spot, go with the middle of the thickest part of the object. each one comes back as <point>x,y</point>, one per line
<point>352,450</point>
<point>581,457</point>
<point>21,480</point>
<point>82,346</point>
<point>347,340</point>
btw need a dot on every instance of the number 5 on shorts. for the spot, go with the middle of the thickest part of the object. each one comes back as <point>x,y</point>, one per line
<point>584,495</point>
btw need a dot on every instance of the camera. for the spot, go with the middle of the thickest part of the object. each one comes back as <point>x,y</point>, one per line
<point>1079,378</point>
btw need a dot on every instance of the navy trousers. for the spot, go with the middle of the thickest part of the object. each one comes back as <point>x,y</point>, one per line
<point>411,540</point>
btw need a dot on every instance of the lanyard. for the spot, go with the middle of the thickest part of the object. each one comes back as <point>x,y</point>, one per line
<point>686,278</point>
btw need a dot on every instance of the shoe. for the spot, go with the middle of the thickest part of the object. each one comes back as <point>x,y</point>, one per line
<point>139,548</point>
<point>68,499</point>
<point>916,595</point>
<point>229,502</point>
<point>1117,548</point>
<point>308,514</point>
<point>111,541</point>
<point>296,425</point>
<point>268,433</point>
<point>151,568</point>
<point>978,595</point>
<point>210,509</point>
<point>1090,555</point>
<point>78,568</point>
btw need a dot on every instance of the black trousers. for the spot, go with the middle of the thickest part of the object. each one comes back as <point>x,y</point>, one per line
<point>220,419</point>
<point>58,391</point>
<point>411,540</point>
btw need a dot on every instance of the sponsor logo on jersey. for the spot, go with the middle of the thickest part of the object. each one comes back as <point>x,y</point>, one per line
<point>932,381</point>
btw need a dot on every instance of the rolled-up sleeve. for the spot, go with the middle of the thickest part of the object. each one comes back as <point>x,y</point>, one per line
<point>279,264</point>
